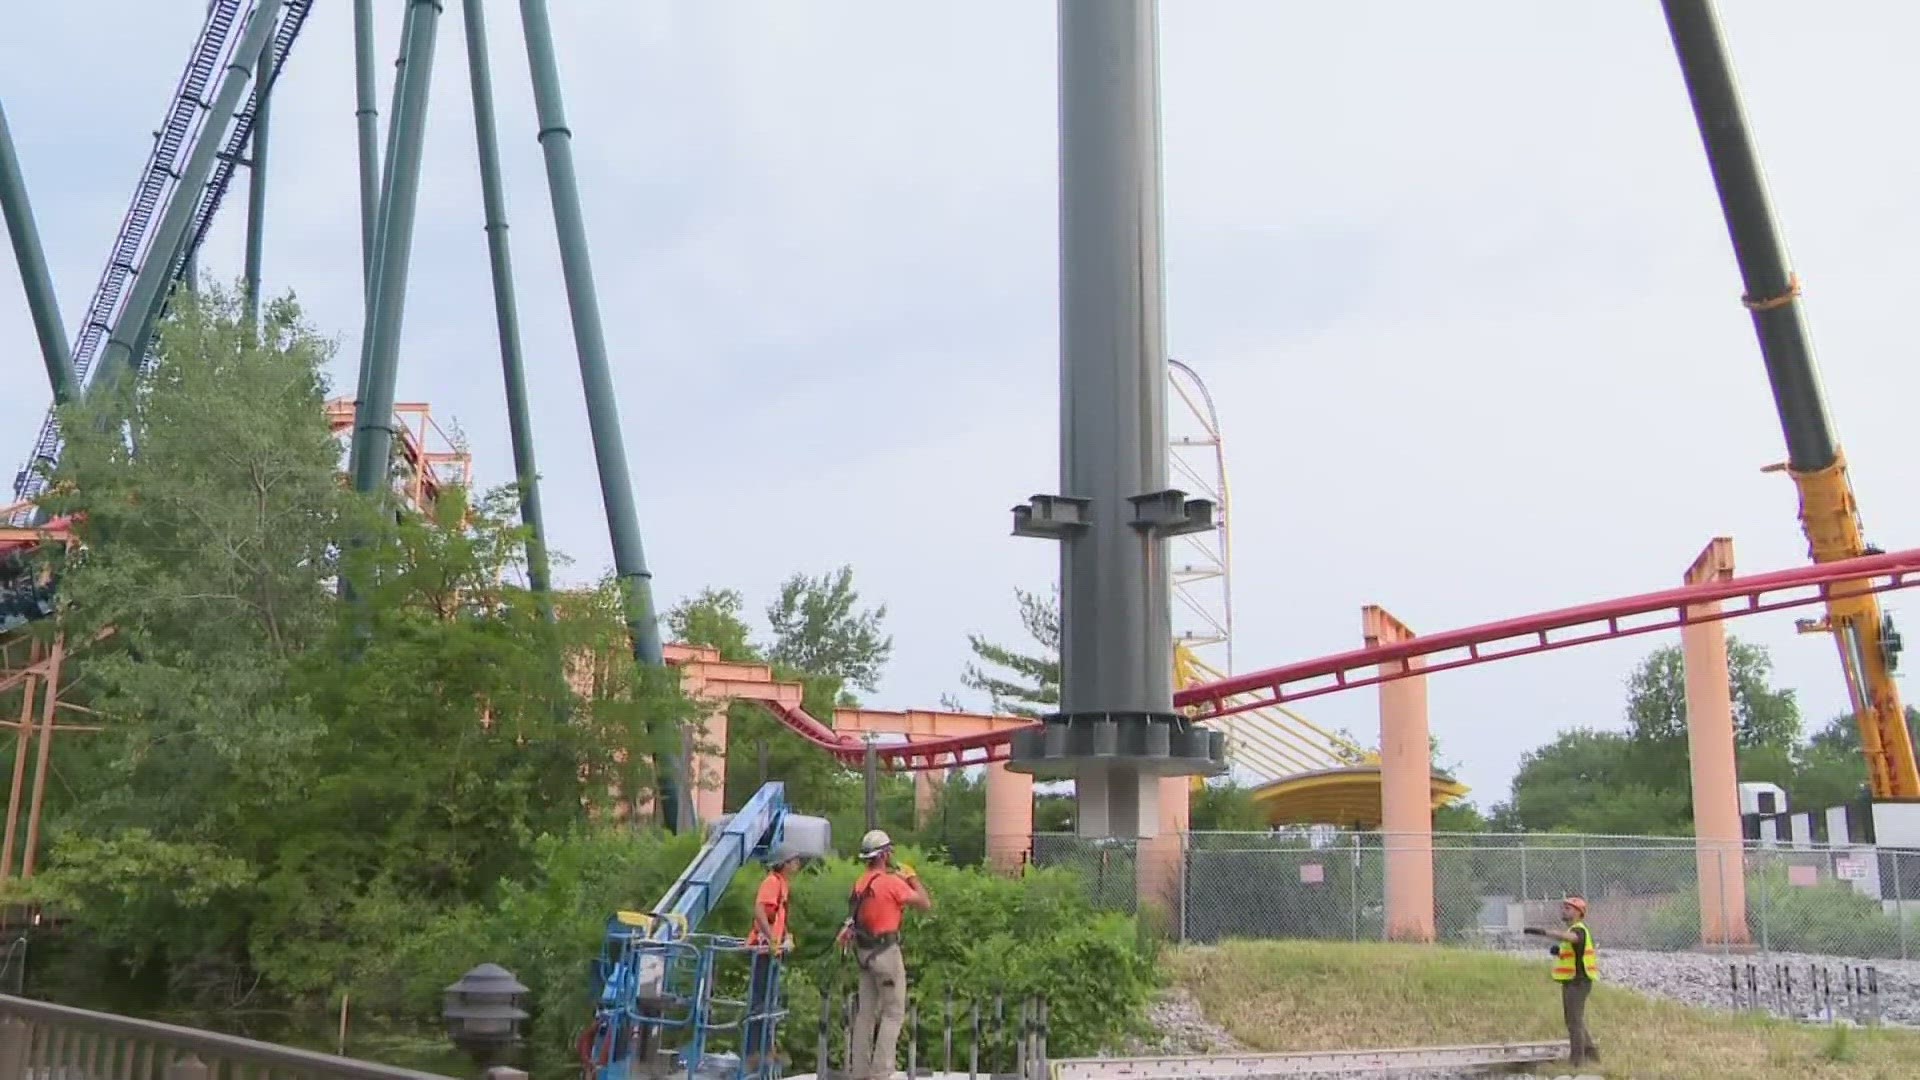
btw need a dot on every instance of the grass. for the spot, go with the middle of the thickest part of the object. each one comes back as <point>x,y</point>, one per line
<point>1279,996</point>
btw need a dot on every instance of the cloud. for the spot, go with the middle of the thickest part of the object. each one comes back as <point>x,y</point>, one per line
<point>1455,275</point>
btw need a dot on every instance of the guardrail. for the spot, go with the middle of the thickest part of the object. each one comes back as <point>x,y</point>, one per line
<point>43,1041</point>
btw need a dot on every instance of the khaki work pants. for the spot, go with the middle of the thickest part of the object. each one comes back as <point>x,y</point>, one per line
<point>1573,1008</point>
<point>882,1008</point>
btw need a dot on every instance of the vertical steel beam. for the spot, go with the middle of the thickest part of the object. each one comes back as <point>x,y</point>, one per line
<point>366,118</point>
<point>42,304</point>
<point>380,340</point>
<point>1116,732</point>
<point>505,308</point>
<point>145,298</point>
<point>596,380</point>
<point>257,183</point>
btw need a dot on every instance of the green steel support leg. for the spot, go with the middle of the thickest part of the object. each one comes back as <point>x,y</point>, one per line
<point>380,340</point>
<point>366,117</point>
<point>506,310</point>
<point>144,300</point>
<point>257,184</point>
<point>603,410</point>
<point>385,167</point>
<point>42,304</point>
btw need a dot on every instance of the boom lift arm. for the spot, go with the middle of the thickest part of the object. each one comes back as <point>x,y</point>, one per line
<point>654,978</point>
<point>1869,646</point>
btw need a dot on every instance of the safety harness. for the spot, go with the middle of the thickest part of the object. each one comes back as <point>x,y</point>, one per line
<point>866,945</point>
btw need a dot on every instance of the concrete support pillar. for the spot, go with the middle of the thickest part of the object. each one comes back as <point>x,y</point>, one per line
<point>1159,869</point>
<point>1009,818</point>
<point>1718,851</point>
<point>1406,785</point>
<point>710,765</point>
<point>927,786</point>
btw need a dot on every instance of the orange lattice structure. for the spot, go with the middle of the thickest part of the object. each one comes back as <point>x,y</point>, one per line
<point>430,460</point>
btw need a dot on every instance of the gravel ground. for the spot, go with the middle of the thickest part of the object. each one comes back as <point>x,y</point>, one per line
<point>1182,1029</point>
<point>1703,979</point>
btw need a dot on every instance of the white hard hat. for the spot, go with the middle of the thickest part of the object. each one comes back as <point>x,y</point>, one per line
<point>875,842</point>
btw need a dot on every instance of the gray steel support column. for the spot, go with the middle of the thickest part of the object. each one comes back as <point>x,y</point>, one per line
<point>42,303</point>
<point>1116,733</point>
<point>380,339</point>
<point>257,183</point>
<point>596,379</point>
<point>366,119</point>
<point>505,309</point>
<point>147,294</point>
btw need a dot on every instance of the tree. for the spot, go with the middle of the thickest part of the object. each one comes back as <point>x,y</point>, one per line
<point>1225,807</point>
<point>1763,715</point>
<point>1831,768</point>
<point>819,629</point>
<point>1589,781</point>
<point>1640,782</point>
<point>1028,684</point>
<point>205,562</point>
<point>322,775</point>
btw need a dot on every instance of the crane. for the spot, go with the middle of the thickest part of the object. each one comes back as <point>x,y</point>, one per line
<point>1868,643</point>
<point>654,979</point>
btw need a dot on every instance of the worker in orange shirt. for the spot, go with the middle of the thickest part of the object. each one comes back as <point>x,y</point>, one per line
<point>767,942</point>
<point>874,911</point>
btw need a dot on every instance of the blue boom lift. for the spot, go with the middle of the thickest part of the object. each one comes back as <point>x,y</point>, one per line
<point>656,1013</point>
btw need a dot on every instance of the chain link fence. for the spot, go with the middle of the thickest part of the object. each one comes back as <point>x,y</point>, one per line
<point>1651,893</point>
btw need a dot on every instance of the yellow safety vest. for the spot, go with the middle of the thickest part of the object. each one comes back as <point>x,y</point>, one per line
<point>1563,958</point>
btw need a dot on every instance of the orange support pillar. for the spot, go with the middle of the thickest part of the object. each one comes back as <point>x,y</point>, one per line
<point>1158,870</point>
<point>927,786</point>
<point>1718,851</point>
<point>1406,778</point>
<point>710,766</point>
<point>1009,819</point>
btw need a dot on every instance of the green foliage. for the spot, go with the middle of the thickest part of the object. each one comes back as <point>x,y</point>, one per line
<point>818,629</point>
<point>122,888</point>
<point>1639,782</point>
<point>1026,684</point>
<point>547,926</point>
<point>986,935</point>
<point>1225,807</point>
<point>334,773</point>
<point>207,555</point>
<point>1830,918</point>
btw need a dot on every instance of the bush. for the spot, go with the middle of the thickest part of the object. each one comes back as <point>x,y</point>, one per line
<point>1830,919</point>
<point>986,935</point>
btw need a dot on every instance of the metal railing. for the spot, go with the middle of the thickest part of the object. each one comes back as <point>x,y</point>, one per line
<point>1848,901</point>
<point>43,1041</point>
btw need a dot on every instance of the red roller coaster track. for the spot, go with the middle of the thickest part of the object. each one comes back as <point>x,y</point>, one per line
<point>1582,625</point>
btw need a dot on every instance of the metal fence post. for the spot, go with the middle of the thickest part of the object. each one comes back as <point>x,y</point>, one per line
<point>1186,860</point>
<point>1523,873</point>
<point>1766,939</point>
<point>1727,908</point>
<point>1900,903</point>
<point>1584,889</point>
<point>1353,882</point>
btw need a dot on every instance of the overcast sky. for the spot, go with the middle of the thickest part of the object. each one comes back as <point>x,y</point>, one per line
<point>1454,274</point>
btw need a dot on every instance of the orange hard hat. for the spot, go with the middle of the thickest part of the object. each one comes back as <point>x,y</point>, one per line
<point>1576,903</point>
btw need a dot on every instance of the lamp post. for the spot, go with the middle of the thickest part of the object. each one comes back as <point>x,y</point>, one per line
<point>483,1014</point>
